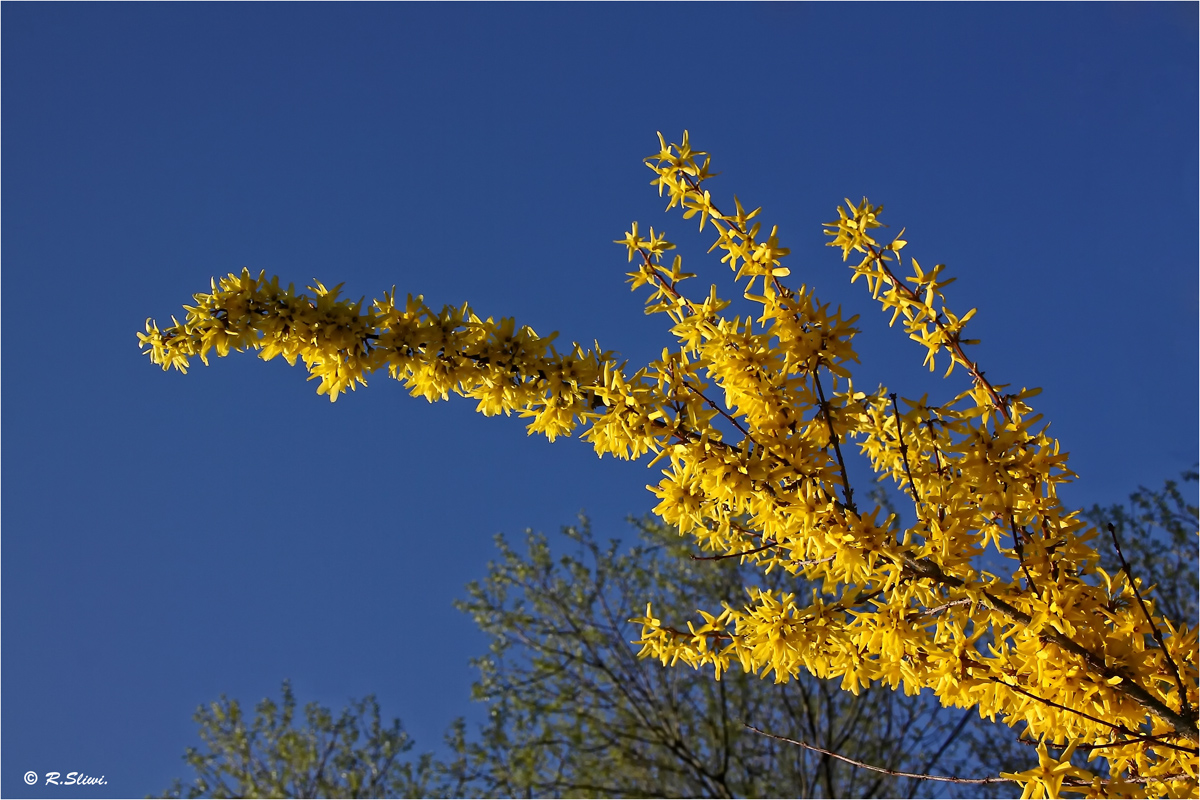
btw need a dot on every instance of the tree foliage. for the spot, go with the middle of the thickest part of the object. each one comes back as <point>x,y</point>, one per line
<point>1157,530</point>
<point>277,754</point>
<point>993,598</point>
<point>573,712</point>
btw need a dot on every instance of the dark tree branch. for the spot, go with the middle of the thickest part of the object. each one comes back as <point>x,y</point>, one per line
<point>833,437</point>
<point>1184,705</point>
<point>912,487</point>
<point>1115,726</point>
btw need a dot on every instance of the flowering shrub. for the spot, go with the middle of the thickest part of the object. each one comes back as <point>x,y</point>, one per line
<point>753,419</point>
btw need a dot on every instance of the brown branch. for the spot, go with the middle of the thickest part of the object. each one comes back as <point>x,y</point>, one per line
<point>937,454</point>
<point>1123,742</point>
<point>933,612</point>
<point>1185,727</point>
<point>937,462</point>
<point>1115,726</point>
<point>658,278</point>
<point>689,635</point>
<point>912,487</point>
<point>1184,705</point>
<point>1140,779</point>
<point>769,544</point>
<point>873,768</point>
<point>718,409</point>
<point>1019,545</point>
<point>837,448</point>
<point>861,598</point>
<point>955,345</point>
<point>766,545</point>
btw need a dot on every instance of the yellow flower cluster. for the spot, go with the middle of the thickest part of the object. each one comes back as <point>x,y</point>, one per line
<point>503,367</point>
<point>991,599</point>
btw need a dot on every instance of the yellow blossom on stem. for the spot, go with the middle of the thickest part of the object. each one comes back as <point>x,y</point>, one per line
<point>991,598</point>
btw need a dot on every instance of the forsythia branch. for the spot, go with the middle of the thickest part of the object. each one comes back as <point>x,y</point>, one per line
<point>993,599</point>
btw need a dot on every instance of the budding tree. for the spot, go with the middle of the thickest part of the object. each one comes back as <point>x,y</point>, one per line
<point>993,598</point>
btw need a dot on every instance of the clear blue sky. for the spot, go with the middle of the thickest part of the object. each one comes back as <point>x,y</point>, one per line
<point>167,538</point>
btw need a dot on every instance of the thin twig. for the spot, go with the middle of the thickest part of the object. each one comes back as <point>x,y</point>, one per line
<point>717,408</point>
<point>837,448</point>
<point>955,346</point>
<point>873,768</point>
<point>1184,705</point>
<point>1142,779</point>
<point>912,487</point>
<point>962,722</point>
<point>1119,743</point>
<point>669,285</point>
<point>1019,545</point>
<point>937,454</point>
<point>1115,726</point>
<point>933,612</point>
<point>689,635</point>
<point>769,544</point>
<point>1087,748</point>
<point>937,461</point>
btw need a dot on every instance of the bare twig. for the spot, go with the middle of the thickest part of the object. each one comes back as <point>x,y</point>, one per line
<point>873,768</point>
<point>1142,779</point>
<point>769,543</point>
<point>718,409</point>
<point>766,545</point>
<point>933,612</point>
<point>912,487</point>
<point>937,462</point>
<point>962,722</point>
<point>1019,545</point>
<point>837,448</point>
<point>1184,705</point>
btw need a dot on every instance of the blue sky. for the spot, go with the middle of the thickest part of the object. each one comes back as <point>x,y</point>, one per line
<point>167,538</point>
